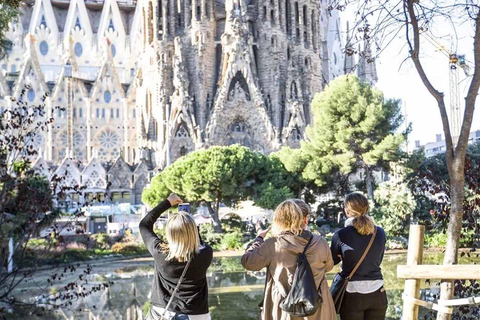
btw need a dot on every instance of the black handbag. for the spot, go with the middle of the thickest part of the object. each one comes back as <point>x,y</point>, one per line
<point>339,284</point>
<point>303,300</point>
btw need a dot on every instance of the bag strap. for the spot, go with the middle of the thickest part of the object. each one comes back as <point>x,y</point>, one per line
<point>364,254</point>
<point>177,287</point>
<point>307,245</point>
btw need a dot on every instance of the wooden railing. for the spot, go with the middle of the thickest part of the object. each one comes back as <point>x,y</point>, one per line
<point>414,272</point>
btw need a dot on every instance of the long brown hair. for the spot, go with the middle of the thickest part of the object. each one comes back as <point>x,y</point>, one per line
<point>356,204</point>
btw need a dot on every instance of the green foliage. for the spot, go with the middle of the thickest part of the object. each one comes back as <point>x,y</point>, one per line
<point>156,193</point>
<point>209,174</point>
<point>209,235</point>
<point>270,197</point>
<point>439,239</point>
<point>233,223</point>
<point>9,10</point>
<point>436,240</point>
<point>102,240</point>
<point>354,127</point>
<point>128,248</point>
<point>395,205</point>
<point>146,308</point>
<point>430,177</point>
<point>223,175</point>
<point>231,241</point>
<point>38,243</point>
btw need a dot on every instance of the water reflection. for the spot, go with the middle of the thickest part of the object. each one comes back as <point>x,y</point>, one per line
<point>233,293</point>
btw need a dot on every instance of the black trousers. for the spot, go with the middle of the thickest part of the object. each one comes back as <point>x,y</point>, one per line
<point>370,306</point>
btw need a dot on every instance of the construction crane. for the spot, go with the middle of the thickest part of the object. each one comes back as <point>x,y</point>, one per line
<point>456,62</point>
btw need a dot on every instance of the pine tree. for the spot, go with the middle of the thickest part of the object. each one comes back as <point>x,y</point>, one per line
<point>354,128</point>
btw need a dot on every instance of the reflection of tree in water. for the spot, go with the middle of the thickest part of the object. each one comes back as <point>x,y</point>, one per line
<point>235,306</point>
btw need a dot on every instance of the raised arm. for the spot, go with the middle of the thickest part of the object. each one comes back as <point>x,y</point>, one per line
<point>149,237</point>
<point>259,253</point>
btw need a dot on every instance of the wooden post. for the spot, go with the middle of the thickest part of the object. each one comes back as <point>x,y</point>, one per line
<point>414,257</point>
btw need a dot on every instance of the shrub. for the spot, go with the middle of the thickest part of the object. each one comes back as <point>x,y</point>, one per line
<point>128,248</point>
<point>72,255</point>
<point>76,246</point>
<point>209,236</point>
<point>231,241</point>
<point>439,240</point>
<point>436,240</point>
<point>38,243</point>
<point>102,240</point>
<point>233,223</point>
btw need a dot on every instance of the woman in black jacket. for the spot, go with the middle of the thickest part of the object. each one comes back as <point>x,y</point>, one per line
<point>171,259</point>
<point>365,297</point>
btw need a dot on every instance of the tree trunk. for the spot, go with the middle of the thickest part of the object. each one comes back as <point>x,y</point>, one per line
<point>455,155</point>
<point>217,224</point>
<point>368,181</point>
<point>457,184</point>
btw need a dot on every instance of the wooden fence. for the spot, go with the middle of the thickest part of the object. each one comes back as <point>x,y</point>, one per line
<point>414,272</point>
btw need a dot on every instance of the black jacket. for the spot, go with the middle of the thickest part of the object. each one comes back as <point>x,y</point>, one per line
<point>348,243</point>
<point>192,296</point>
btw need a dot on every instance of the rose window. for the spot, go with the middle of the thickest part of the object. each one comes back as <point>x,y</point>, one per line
<point>109,139</point>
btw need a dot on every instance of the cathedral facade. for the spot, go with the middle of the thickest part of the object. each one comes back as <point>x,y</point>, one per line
<point>141,83</point>
<point>224,72</point>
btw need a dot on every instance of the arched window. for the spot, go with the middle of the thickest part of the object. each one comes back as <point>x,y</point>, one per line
<point>295,135</point>
<point>107,96</point>
<point>77,23</point>
<point>238,126</point>
<point>111,26</point>
<point>78,49</point>
<point>182,132</point>
<point>43,22</point>
<point>44,48</point>
<point>31,94</point>
<point>293,90</point>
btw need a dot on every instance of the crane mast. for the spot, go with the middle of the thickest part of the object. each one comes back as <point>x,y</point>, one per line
<point>455,115</point>
<point>455,109</point>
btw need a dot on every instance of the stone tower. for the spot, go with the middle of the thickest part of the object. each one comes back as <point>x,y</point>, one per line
<point>218,73</point>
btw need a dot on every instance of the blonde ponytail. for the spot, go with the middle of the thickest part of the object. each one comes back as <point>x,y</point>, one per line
<point>364,225</point>
<point>356,204</point>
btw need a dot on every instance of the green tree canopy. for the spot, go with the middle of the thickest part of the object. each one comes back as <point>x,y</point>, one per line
<point>9,10</point>
<point>222,175</point>
<point>354,128</point>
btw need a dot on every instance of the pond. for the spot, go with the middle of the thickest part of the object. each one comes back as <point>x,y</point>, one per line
<point>233,293</point>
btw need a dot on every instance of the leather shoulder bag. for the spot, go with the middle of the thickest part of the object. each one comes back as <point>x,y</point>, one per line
<point>339,285</point>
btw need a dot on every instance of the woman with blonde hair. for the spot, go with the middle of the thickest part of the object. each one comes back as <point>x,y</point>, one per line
<point>180,277</point>
<point>279,255</point>
<point>364,297</point>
